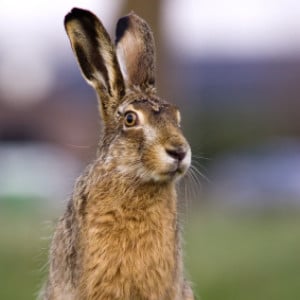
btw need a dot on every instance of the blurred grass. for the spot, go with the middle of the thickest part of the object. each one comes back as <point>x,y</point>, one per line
<point>23,248</point>
<point>246,256</point>
<point>228,256</point>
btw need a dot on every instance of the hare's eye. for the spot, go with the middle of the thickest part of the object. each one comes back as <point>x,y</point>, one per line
<point>130,119</point>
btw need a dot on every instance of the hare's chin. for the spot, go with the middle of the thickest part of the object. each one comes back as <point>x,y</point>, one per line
<point>168,176</point>
<point>174,173</point>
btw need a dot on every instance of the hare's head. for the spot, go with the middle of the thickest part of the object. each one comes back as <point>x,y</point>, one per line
<point>142,135</point>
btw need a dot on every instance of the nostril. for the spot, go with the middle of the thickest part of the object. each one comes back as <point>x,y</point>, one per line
<point>177,153</point>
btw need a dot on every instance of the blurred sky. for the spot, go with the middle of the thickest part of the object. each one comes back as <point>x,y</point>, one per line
<point>33,39</point>
<point>234,27</point>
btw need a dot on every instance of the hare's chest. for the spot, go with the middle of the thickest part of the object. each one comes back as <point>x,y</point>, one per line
<point>131,255</point>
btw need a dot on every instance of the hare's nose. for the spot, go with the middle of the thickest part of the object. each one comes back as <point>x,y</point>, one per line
<point>177,153</point>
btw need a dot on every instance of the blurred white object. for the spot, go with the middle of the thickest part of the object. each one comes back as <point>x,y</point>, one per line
<point>37,170</point>
<point>233,28</point>
<point>264,176</point>
<point>34,44</point>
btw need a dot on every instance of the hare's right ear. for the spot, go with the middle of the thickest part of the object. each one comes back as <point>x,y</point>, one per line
<point>96,56</point>
<point>136,51</point>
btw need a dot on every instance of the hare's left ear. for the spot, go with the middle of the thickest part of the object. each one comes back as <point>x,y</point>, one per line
<point>96,57</point>
<point>136,51</point>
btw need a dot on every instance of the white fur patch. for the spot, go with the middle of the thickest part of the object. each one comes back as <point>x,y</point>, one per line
<point>150,133</point>
<point>178,115</point>
<point>121,60</point>
<point>99,79</point>
<point>187,160</point>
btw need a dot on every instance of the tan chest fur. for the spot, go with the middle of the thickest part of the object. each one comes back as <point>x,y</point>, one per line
<point>130,248</point>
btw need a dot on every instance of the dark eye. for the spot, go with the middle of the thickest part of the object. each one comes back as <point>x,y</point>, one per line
<point>130,119</point>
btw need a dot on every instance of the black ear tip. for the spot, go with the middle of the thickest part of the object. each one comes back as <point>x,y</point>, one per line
<point>122,26</point>
<point>77,13</point>
<point>131,21</point>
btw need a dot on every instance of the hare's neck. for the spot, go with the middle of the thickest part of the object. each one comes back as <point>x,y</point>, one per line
<point>115,193</point>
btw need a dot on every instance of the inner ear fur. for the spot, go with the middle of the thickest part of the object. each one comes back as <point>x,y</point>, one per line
<point>96,56</point>
<point>136,51</point>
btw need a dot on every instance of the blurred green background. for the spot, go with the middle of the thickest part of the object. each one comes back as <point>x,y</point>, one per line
<point>232,67</point>
<point>228,255</point>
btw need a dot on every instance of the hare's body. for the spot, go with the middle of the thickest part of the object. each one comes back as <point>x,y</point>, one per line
<point>119,237</point>
<point>128,248</point>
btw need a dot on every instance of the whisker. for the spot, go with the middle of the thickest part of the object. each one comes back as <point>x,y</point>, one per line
<point>80,146</point>
<point>196,183</point>
<point>190,188</point>
<point>200,157</point>
<point>199,173</point>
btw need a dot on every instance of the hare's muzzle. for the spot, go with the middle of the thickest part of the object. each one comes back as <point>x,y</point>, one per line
<point>178,153</point>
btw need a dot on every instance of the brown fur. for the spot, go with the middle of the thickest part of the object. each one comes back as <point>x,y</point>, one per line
<point>119,237</point>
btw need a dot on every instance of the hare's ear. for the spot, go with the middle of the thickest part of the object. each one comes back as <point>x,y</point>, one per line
<point>96,56</point>
<point>136,51</point>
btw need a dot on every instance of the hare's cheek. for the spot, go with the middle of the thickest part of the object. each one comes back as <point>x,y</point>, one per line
<point>165,162</point>
<point>156,160</point>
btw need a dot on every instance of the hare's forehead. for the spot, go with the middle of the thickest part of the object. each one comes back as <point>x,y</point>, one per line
<point>151,109</point>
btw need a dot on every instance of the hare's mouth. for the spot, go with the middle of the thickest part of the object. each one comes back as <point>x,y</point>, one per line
<point>174,167</point>
<point>165,164</point>
<point>177,170</point>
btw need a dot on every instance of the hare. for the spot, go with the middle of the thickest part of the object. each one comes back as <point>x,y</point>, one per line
<point>119,237</point>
